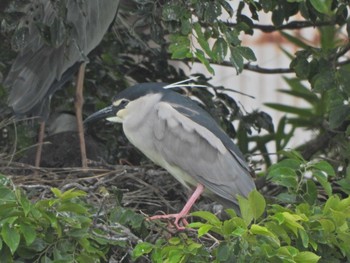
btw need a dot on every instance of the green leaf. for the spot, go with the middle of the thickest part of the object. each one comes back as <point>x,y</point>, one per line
<point>310,192</point>
<point>28,232</point>
<point>6,195</point>
<point>327,225</point>
<point>204,229</point>
<point>220,49</point>
<point>72,193</point>
<point>323,180</point>
<point>322,6</point>
<point>236,59</point>
<point>25,203</point>
<point>295,40</point>
<point>200,55</point>
<point>325,80</point>
<point>257,203</point>
<point>325,167</point>
<point>279,231</point>
<point>142,249</point>
<point>57,192</point>
<point>301,67</point>
<point>227,7</point>
<point>261,230</point>
<point>209,217</point>
<point>246,210</point>
<point>293,164</point>
<point>293,155</point>
<point>180,52</point>
<point>186,27</point>
<point>174,241</point>
<point>11,237</point>
<point>288,252</point>
<point>232,37</point>
<point>72,207</point>
<point>306,257</point>
<point>247,53</point>
<point>304,237</point>
<point>277,17</point>
<point>300,91</point>
<point>223,252</point>
<point>231,212</point>
<point>290,109</point>
<point>288,198</point>
<point>338,115</point>
<point>284,176</point>
<point>172,12</point>
<point>179,47</point>
<point>239,231</point>
<point>212,11</point>
<point>332,203</point>
<point>202,40</point>
<point>291,221</point>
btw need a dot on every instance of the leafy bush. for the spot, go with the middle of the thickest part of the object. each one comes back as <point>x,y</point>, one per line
<point>64,228</point>
<point>300,229</point>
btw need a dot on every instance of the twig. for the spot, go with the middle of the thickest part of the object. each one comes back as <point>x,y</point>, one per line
<point>291,25</point>
<point>124,235</point>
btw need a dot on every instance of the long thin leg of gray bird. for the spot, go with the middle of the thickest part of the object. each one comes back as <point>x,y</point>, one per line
<point>79,101</point>
<point>185,210</point>
<point>40,144</point>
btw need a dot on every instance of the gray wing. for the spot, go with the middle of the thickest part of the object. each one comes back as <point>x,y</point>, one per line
<point>196,150</point>
<point>39,68</point>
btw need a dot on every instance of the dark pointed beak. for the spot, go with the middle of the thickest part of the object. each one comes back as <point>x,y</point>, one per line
<point>102,114</point>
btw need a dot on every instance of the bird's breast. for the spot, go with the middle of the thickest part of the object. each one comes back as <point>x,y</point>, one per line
<point>142,136</point>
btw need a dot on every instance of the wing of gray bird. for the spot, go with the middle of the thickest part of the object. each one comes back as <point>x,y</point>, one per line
<point>41,68</point>
<point>211,161</point>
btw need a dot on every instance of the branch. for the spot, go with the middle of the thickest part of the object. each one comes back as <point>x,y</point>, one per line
<point>247,66</point>
<point>256,68</point>
<point>290,25</point>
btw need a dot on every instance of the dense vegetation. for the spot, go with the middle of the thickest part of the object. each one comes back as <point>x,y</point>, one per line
<point>301,211</point>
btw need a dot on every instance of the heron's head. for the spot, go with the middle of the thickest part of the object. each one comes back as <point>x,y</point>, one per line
<point>129,100</point>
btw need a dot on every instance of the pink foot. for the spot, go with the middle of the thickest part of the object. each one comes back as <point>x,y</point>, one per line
<point>185,210</point>
<point>178,218</point>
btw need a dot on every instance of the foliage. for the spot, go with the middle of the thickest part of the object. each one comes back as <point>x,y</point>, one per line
<point>306,230</point>
<point>193,24</point>
<point>306,218</point>
<point>64,228</point>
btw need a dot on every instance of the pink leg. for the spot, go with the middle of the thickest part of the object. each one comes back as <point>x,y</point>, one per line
<point>185,210</point>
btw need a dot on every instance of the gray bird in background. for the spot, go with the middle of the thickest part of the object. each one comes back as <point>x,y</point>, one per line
<point>56,37</point>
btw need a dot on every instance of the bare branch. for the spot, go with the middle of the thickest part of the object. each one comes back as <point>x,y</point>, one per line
<point>290,25</point>
<point>258,69</point>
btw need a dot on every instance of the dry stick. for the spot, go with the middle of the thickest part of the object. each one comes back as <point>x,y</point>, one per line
<point>79,101</point>
<point>40,144</point>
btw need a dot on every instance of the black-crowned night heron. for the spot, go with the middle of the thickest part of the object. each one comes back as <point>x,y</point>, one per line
<point>59,37</point>
<point>177,134</point>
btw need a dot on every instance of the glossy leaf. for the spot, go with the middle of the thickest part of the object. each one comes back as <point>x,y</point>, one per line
<point>142,249</point>
<point>322,6</point>
<point>306,257</point>
<point>257,204</point>
<point>28,232</point>
<point>322,179</point>
<point>10,236</point>
<point>220,49</point>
